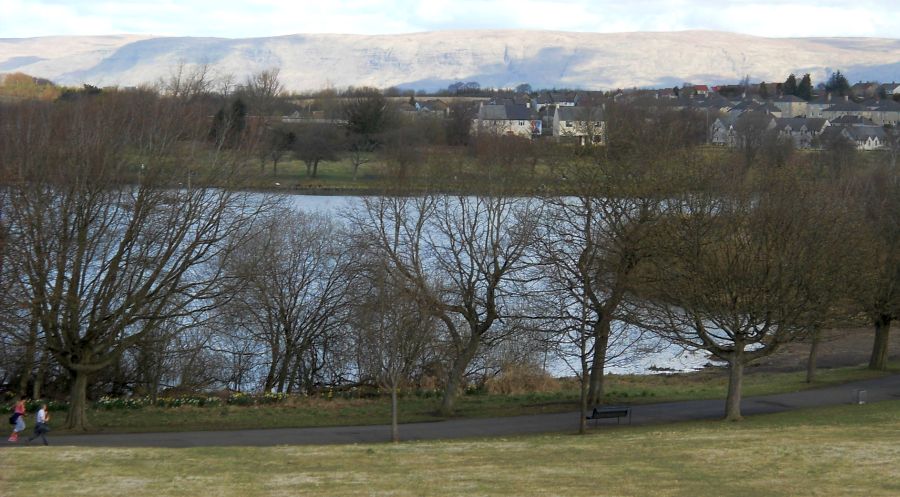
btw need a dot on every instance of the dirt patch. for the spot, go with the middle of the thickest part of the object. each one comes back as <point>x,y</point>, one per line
<point>838,348</point>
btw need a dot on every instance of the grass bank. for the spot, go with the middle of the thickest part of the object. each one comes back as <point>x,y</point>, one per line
<point>845,450</point>
<point>322,411</point>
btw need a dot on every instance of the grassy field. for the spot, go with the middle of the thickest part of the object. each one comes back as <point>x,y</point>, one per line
<point>304,412</point>
<point>838,451</point>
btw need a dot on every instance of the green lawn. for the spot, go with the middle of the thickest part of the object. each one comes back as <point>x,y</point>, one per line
<point>837,451</point>
<point>445,169</point>
<point>304,412</point>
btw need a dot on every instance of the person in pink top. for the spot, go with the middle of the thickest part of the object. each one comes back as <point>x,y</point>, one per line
<point>19,418</point>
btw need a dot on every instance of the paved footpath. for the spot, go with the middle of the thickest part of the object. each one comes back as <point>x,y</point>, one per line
<point>880,389</point>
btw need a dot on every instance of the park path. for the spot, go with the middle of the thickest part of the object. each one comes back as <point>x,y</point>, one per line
<point>880,389</point>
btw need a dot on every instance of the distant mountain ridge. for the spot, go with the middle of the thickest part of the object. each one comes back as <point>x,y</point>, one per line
<point>433,60</point>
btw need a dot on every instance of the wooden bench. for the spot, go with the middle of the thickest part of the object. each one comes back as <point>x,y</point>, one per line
<point>610,412</point>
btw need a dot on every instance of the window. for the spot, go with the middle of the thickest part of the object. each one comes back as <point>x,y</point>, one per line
<point>521,123</point>
<point>569,124</point>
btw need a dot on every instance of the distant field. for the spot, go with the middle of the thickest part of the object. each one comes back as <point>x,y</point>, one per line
<point>838,451</point>
<point>317,411</point>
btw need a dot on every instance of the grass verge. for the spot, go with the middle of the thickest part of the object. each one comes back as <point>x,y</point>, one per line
<point>844,450</point>
<point>309,412</point>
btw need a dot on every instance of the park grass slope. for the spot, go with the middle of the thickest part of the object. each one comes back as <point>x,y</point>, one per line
<point>836,451</point>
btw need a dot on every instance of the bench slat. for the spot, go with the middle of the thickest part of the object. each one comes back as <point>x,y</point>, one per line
<point>610,412</point>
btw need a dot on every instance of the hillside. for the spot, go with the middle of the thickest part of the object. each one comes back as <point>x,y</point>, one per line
<point>432,60</point>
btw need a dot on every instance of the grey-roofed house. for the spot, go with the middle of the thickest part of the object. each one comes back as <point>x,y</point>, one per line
<point>729,130</point>
<point>849,120</point>
<point>891,89</point>
<point>865,90</point>
<point>586,125</point>
<point>815,106</point>
<point>802,130</point>
<point>750,105</point>
<point>886,112</point>
<point>845,108</point>
<point>507,119</point>
<point>791,106</point>
<point>556,99</point>
<point>722,130</point>
<point>866,137</point>
<point>861,137</point>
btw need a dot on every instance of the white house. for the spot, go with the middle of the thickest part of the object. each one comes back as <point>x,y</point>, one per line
<point>556,99</point>
<point>845,108</point>
<point>791,106</point>
<point>803,131</point>
<point>866,137</point>
<point>891,89</point>
<point>507,119</point>
<point>585,124</point>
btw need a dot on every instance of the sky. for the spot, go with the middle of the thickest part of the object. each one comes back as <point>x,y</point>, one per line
<point>262,18</point>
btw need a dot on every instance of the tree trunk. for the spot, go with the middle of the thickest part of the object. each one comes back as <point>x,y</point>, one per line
<point>76,419</point>
<point>735,380</point>
<point>598,362</point>
<point>879,357</point>
<point>456,375</point>
<point>315,171</point>
<point>355,170</point>
<point>28,360</point>
<point>275,167</point>
<point>41,374</point>
<point>282,376</point>
<point>395,430</point>
<point>813,355</point>
<point>308,169</point>
<point>582,421</point>
<point>275,355</point>
<point>269,384</point>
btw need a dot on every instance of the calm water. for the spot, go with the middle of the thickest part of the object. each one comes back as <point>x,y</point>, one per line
<point>666,358</point>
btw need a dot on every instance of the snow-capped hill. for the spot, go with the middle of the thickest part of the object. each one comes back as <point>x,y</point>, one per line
<point>434,60</point>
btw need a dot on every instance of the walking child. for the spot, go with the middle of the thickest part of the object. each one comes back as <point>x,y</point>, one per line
<point>40,427</point>
<point>18,419</point>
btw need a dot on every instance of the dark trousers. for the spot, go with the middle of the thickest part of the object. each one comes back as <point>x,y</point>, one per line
<point>40,430</point>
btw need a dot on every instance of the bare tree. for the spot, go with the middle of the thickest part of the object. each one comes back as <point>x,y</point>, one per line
<point>747,269</point>
<point>360,150</point>
<point>188,83</point>
<point>393,334</point>
<point>295,293</point>
<point>594,245</point>
<point>878,233</point>
<point>460,257</point>
<point>276,142</point>
<point>105,261</point>
<point>262,90</point>
<point>315,143</point>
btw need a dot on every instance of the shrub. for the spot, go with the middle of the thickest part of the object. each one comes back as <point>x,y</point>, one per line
<point>240,399</point>
<point>520,379</point>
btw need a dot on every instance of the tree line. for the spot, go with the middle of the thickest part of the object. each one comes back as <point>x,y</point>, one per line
<point>133,261</point>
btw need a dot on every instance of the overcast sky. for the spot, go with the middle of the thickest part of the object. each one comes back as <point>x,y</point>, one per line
<point>251,18</point>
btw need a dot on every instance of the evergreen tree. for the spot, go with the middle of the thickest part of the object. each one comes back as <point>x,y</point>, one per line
<point>763,91</point>
<point>790,85</point>
<point>804,89</point>
<point>838,83</point>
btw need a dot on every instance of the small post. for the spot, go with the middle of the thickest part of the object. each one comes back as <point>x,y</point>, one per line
<point>860,397</point>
